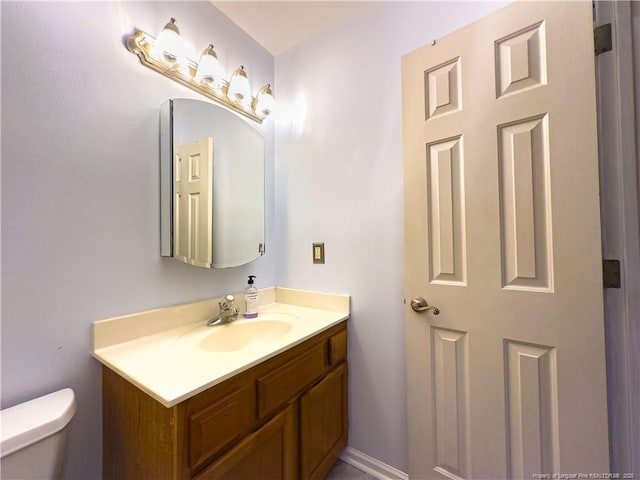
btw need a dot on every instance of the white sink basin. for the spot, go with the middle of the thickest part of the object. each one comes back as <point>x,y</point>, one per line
<point>240,335</point>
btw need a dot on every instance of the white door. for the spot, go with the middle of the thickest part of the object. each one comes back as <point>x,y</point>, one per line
<point>193,201</point>
<point>502,234</point>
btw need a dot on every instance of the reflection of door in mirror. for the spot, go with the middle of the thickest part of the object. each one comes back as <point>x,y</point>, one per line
<point>212,212</point>
<point>192,170</point>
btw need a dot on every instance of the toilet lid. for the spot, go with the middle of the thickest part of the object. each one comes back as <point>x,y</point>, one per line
<point>29,422</point>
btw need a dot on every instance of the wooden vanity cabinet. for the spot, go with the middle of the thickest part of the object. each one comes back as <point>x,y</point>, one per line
<point>285,418</point>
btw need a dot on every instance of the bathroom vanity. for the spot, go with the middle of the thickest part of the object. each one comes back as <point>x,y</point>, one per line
<point>179,405</point>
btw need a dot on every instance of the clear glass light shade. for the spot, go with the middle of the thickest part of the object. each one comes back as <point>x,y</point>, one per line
<point>265,101</point>
<point>169,47</point>
<point>209,71</point>
<point>239,90</point>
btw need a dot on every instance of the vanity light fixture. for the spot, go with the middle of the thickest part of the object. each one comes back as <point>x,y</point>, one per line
<point>239,90</point>
<point>264,102</point>
<point>168,47</point>
<point>209,71</point>
<point>166,55</point>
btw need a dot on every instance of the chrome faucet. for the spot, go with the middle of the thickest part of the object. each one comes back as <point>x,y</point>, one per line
<point>228,312</point>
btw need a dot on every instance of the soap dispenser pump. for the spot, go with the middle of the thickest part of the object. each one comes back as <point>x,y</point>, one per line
<point>251,299</point>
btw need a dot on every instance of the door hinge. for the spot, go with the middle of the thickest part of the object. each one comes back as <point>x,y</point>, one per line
<point>611,273</point>
<point>602,39</point>
<point>261,248</point>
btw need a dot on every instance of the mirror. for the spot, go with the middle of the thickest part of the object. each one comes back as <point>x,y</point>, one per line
<point>212,185</point>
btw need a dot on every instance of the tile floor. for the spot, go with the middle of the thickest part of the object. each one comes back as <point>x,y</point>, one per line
<point>344,471</point>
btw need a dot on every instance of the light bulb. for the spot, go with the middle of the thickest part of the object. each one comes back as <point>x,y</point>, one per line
<point>264,101</point>
<point>169,48</point>
<point>209,71</point>
<point>239,90</point>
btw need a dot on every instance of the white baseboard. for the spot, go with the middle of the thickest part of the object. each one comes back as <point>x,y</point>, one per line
<point>372,466</point>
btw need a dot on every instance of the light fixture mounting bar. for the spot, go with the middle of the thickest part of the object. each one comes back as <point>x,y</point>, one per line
<point>142,45</point>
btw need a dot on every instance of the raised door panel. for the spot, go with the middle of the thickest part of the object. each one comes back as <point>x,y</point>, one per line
<point>447,244</point>
<point>270,453</point>
<point>525,201</point>
<point>451,435</point>
<point>532,409</point>
<point>220,423</point>
<point>323,424</point>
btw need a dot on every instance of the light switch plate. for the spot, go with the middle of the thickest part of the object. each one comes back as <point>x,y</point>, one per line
<point>318,252</point>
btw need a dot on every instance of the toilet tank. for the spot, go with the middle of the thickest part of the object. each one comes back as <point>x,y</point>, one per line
<point>33,436</point>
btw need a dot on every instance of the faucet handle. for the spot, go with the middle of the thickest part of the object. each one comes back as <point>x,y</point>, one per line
<point>227,302</point>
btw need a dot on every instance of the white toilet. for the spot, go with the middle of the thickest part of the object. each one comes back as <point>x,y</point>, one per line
<point>33,436</point>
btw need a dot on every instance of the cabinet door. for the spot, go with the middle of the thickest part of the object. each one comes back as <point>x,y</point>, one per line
<point>323,424</point>
<point>268,454</point>
<point>221,423</point>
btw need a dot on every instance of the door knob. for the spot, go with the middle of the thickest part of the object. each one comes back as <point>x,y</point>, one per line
<point>419,304</point>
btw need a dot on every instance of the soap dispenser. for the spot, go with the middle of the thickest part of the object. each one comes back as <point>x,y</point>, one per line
<point>251,299</point>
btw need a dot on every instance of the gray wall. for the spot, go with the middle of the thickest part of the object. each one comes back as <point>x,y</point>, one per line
<point>80,191</point>
<point>80,215</point>
<point>339,180</point>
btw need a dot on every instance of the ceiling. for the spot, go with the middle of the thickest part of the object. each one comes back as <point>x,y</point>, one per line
<point>281,25</point>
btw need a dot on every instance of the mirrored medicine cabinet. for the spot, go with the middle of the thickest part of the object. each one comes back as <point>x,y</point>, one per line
<point>212,185</point>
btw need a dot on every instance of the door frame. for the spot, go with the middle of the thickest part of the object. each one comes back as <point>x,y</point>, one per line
<point>618,127</point>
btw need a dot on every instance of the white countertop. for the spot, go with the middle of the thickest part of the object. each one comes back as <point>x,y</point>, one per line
<point>163,358</point>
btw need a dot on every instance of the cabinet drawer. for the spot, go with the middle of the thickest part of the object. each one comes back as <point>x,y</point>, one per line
<point>284,383</point>
<point>219,424</point>
<point>338,348</point>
